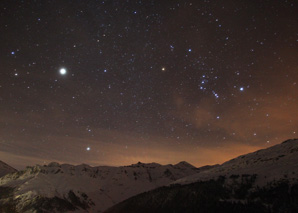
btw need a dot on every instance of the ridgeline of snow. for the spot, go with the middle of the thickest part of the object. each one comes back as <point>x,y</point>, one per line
<point>100,187</point>
<point>5,169</point>
<point>94,189</point>
<point>271,164</point>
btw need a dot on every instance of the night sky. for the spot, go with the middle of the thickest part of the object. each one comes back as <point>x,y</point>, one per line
<point>116,82</point>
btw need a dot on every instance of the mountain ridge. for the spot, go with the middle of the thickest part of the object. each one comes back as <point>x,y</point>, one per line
<point>273,163</point>
<point>84,187</point>
<point>63,187</point>
<point>261,181</point>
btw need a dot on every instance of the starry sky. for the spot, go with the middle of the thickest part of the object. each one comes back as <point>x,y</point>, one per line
<point>114,82</point>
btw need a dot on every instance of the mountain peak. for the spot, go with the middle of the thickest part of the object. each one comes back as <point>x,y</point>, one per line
<point>140,164</point>
<point>53,164</point>
<point>184,164</point>
<point>5,169</point>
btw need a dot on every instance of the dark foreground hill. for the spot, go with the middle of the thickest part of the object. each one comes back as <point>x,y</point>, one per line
<point>216,196</point>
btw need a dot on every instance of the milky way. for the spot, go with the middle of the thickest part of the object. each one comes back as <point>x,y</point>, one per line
<point>117,82</point>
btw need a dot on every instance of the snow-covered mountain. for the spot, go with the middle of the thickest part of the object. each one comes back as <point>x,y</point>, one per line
<point>274,163</point>
<point>262,181</point>
<point>65,187</point>
<point>5,169</point>
<point>241,183</point>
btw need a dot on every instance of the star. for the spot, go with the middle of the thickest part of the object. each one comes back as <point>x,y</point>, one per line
<point>88,148</point>
<point>63,71</point>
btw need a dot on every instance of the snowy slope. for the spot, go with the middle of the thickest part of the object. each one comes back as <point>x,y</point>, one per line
<point>263,181</point>
<point>96,187</point>
<point>274,163</point>
<point>5,169</point>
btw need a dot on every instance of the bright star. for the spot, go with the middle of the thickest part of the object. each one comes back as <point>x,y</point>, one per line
<point>241,89</point>
<point>88,148</point>
<point>63,71</point>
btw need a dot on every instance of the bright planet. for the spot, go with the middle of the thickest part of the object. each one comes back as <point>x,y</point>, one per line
<point>63,71</point>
